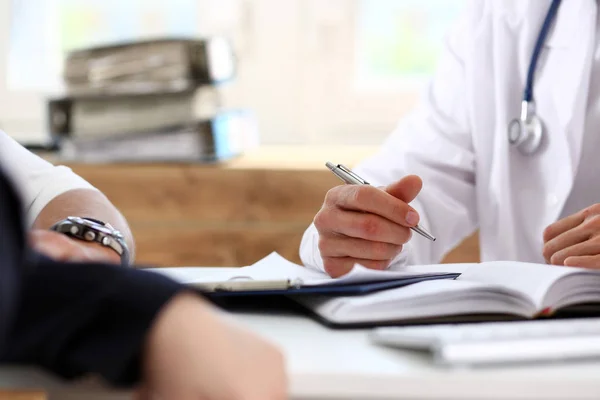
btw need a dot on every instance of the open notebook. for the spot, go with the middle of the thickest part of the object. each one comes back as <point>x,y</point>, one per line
<point>490,290</point>
<point>276,275</point>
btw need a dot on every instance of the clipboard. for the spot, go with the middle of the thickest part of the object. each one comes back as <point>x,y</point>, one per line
<point>238,285</point>
<point>251,288</point>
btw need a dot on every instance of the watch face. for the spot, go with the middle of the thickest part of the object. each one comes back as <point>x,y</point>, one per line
<point>90,229</point>
<point>92,224</point>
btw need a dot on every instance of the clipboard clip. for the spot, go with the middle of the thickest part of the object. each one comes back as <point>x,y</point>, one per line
<point>243,284</point>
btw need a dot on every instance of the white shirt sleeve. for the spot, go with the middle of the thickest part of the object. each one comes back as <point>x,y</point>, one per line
<point>434,142</point>
<point>37,180</point>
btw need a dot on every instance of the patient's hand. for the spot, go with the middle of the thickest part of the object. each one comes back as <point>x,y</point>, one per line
<point>193,353</point>
<point>63,248</point>
<point>575,240</point>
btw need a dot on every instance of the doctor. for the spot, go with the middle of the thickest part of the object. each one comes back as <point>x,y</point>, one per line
<point>505,140</point>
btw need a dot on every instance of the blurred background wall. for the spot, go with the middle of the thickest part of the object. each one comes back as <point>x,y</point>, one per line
<point>315,71</point>
<point>325,79</point>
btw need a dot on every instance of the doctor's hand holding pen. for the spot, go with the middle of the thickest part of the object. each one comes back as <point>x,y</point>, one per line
<point>574,241</point>
<point>366,225</point>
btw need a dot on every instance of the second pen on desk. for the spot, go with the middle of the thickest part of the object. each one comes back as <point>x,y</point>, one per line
<point>351,178</point>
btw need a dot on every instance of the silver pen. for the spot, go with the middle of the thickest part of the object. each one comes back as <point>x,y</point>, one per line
<point>346,175</point>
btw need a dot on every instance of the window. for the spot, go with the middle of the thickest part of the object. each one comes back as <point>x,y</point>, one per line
<point>399,40</point>
<point>314,71</point>
<point>64,25</point>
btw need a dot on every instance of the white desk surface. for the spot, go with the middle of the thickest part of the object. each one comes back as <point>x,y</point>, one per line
<point>325,363</point>
<point>332,364</point>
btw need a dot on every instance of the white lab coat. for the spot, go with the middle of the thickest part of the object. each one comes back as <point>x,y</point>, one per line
<point>456,139</point>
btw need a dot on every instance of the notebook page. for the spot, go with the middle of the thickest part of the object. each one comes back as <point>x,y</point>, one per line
<point>422,300</point>
<point>457,268</point>
<point>328,306</point>
<point>188,275</point>
<point>533,280</point>
<point>360,274</point>
<point>272,267</point>
<point>275,266</point>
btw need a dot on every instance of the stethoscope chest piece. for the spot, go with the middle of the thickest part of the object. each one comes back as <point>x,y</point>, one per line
<point>526,136</point>
<point>526,133</point>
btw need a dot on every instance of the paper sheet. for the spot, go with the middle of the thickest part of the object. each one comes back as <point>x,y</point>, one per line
<point>275,267</point>
<point>187,275</point>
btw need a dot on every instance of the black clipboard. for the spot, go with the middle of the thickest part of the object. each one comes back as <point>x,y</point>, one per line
<point>248,289</point>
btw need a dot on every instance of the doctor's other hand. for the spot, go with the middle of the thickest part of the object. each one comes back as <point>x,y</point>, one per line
<point>192,353</point>
<point>574,241</point>
<point>366,225</point>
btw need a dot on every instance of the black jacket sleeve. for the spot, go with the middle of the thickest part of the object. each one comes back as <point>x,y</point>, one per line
<point>68,318</point>
<point>12,246</point>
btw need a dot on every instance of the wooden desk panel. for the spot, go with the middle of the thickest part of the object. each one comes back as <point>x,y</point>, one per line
<point>229,246</point>
<point>22,395</point>
<point>193,193</point>
<point>184,215</point>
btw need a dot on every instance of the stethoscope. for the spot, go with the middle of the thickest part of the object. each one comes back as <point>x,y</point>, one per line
<point>527,131</point>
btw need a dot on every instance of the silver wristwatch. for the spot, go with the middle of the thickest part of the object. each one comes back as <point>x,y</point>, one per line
<point>92,230</point>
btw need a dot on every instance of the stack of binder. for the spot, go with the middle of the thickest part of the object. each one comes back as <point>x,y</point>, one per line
<point>155,100</point>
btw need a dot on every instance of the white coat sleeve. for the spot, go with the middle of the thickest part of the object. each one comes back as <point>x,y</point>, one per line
<point>434,142</point>
<point>37,180</point>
